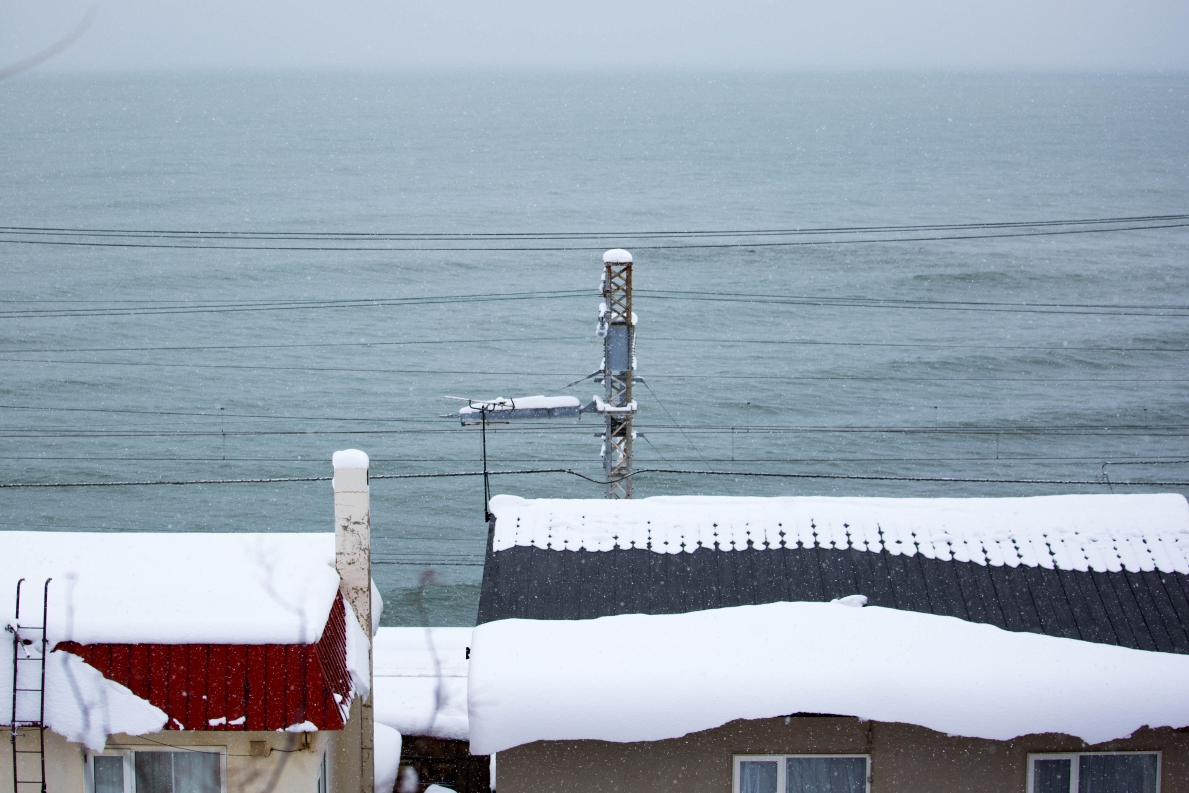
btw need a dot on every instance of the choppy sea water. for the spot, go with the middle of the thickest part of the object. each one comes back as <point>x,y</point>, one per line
<point>100,382</point>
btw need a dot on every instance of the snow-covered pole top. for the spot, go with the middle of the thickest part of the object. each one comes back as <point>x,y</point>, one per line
<point>350,471</point>
<point>617,256</point>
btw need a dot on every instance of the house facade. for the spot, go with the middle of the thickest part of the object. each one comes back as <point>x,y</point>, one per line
<point>808,645</point>
<point>194,663</point>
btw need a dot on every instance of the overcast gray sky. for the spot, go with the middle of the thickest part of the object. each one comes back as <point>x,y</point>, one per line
<point>837,34</point>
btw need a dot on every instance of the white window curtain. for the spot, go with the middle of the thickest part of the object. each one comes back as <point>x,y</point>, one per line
<point>757,776</point>
<point>1052,776</point>
<point>177,772</point>
<point>1096,773</point>
<point>109,773</point>
<point>1117,773</point>
<point>826,774</point>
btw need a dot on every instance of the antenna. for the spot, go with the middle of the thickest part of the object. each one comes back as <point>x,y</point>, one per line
<point>617,328</point>
<point>503,411</point>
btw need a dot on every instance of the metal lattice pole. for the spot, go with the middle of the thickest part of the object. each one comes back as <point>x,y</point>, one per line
<point>617,325</point>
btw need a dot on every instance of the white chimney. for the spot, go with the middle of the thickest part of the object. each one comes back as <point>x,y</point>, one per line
<point>353,560</point>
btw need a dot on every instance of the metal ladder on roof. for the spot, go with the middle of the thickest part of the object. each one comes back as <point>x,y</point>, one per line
<point>28,696</point>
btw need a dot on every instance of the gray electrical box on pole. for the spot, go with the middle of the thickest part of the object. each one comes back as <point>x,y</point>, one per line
<point>617,327</point>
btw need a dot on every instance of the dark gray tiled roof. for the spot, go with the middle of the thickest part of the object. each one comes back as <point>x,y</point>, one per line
<point>1141,610</point>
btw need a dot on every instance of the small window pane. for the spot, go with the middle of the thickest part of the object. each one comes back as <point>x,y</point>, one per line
<point>1052,776</point>
<point>177,772</point>
<point>195,772</point>
<point>1117,773</point>
<point>109,774</point>
<point>757,776</point>
<point>154,772</point>
<point>826,774</point>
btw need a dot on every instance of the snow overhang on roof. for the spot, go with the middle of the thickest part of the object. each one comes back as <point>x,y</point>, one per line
<point>1076,532</point>
<point>638,677</point>
<point>173,588</point>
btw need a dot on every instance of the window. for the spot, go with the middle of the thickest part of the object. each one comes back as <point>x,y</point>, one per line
<point>323,782</point>
<point>801,774</point>
<point>1104,772</point>
<point>154,771</point>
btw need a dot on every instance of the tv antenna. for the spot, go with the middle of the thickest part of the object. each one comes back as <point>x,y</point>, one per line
<point>617,328</point>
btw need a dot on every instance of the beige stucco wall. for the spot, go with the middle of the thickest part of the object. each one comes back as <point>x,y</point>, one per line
<point>904,758</point>
<point>292,771</point>
<point>63,761</point>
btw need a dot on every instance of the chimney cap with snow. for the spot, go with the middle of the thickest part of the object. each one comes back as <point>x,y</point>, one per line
<point>350,471</point>
<point>350,458</point>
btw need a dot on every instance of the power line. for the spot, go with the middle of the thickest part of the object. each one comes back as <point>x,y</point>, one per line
<point>881,478</point>
<point>197,347</point>
<point>473,373</point>
<point>815,301</point>
<point>670,415</point>
<point>900,302</point>
<point>267,416</point>
<point>502,340</point>
<point>579,248</point>
<point>286,479</point>
<point>582,461</point>
<point>579,234</point>
<point>637,472</point>
<point>288,305</point>
<point>1169,431</point>
<point>405,237</point>
<point>921,305</point>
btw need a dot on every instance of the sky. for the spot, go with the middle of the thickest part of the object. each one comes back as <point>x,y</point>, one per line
<point>1059,35</point>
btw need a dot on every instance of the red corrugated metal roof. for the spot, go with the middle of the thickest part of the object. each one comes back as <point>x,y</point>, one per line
<point>261,686</point>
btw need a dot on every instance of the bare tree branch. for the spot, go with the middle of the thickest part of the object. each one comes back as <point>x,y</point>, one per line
<point>37,58</point>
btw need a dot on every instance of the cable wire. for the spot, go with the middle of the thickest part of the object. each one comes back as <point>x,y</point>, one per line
<point>579,248</point>
<point>637,472</point>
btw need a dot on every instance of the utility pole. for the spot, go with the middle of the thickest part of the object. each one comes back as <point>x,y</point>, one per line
<point>617,327</point>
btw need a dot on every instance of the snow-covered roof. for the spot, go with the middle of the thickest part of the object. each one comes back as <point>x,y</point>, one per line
<point>173,588</point>
<point>617,256</point>
<point>637,677</point>
<point>1072,532</point>
<point>420,680</point>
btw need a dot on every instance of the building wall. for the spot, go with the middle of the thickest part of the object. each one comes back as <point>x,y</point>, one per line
<point>63,761</point>
<point>904,758</point>
<point>292,765</point>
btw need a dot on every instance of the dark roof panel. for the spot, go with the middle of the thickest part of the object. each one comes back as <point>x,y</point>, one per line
<point>1147,611</point>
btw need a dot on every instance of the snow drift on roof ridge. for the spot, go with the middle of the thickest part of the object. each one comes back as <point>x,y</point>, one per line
<point>629,677</point>
<point>1074,532</point>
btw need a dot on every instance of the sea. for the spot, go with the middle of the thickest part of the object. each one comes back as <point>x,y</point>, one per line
<point>927,362</point>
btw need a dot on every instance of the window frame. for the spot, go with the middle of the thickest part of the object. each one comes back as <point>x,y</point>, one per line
<point>1075,767</point>
<point>127,752</point>
<point>781,772</point>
